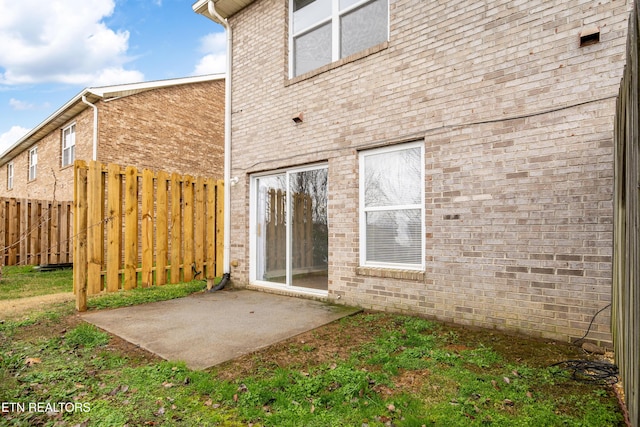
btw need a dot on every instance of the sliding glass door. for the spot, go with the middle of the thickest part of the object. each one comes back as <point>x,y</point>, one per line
<point>289,228</point>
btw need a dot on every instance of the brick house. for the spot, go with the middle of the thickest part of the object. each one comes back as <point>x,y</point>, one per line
<point>447,159</point>
<point>174,125</point>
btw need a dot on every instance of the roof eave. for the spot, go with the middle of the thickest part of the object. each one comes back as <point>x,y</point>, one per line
<point>75,106</point>
<point>225,8</point>
<point>61,116</point>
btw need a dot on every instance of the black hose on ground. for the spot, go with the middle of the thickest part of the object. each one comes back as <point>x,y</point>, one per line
<point>225,278</point>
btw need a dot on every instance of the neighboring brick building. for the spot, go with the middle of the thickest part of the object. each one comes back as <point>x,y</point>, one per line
<point>173,125</point>
<point>457,155</point>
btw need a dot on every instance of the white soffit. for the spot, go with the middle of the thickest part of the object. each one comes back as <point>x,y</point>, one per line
<point>225,8</point>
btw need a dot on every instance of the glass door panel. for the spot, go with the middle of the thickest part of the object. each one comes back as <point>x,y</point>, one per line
<point>308,228</point>
<point>271,234</point>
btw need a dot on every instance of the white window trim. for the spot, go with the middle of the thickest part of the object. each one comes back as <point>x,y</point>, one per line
<point>33,166</point>
<point>336,14</point>
<point>363,210</point>
<point>68,128</point>
<point>10,174</point>
<point>253,244</point>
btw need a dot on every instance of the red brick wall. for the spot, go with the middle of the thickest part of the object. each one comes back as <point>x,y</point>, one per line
<point>176,129</point>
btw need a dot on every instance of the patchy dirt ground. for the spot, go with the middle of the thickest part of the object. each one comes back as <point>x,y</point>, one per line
<point>327,344</point>
<point>338,341</point>
<point>13,308</point>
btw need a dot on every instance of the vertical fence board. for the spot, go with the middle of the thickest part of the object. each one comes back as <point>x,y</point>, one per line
<point>3,231</point>
<point>23,227</point>
<point>162,239</point>
<point>80,271</point>
<point>45,225</point>
<point>625,311</point>
<point>189,254</point>
<point>63,232</point>
<point>131,228</point>
<point>114,227</point>
<point>54,256</point>
<point>13,232</point>
<point>176,227</point>
<point>94,232</point>
<point>34,243</point>
<point>147,228</point>
<point>210,250</point>
<point>200,218</point>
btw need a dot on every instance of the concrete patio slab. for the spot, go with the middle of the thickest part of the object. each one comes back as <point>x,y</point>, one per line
<point>206,329</point>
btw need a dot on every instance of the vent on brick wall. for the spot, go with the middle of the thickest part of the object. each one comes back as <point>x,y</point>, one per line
<point>589,36</point>
<point>298,118</point>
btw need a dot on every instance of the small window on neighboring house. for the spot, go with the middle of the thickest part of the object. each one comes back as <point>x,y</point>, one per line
<point>33,163</point>
<point>392,207</point>
<point>324,31</point>
<point>9,175</point>
<point>68,145</point>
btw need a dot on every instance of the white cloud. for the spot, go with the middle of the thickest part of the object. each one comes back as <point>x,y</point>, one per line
<point>61,41</point>
<point>11,136</point>
<point>214,46</point>
<point>20,105</point>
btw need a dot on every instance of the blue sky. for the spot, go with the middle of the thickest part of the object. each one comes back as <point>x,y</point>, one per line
<point>51,50</point>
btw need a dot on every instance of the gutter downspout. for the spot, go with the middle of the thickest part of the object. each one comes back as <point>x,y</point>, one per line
<point>227,151</point>
<point>95,127</point>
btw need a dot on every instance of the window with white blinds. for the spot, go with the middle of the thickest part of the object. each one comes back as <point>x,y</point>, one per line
<point>392,207</point>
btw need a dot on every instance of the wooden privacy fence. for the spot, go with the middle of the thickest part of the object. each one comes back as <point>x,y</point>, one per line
<point>626,250</point>
<point>34,232</point>
<point>301,230</point>
<point>143,228</point>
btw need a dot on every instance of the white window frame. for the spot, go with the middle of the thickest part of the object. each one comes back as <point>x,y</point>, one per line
<point>253,231</point>
<point>33,163</point>
<point>69,148</point>
<point>10,172</point>
<point>334,18</point>
<point>364,209</point>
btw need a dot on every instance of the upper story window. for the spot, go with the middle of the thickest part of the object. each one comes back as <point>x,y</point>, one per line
<point>9,175</point>
<point>33,163</point>
<point>68,145</point>
<point>323,31</point>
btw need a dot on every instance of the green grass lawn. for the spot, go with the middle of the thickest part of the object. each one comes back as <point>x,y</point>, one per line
<point>27,281</point>
<point>370,369</point>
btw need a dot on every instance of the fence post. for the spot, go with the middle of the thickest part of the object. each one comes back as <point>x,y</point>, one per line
<point>80,238</point>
